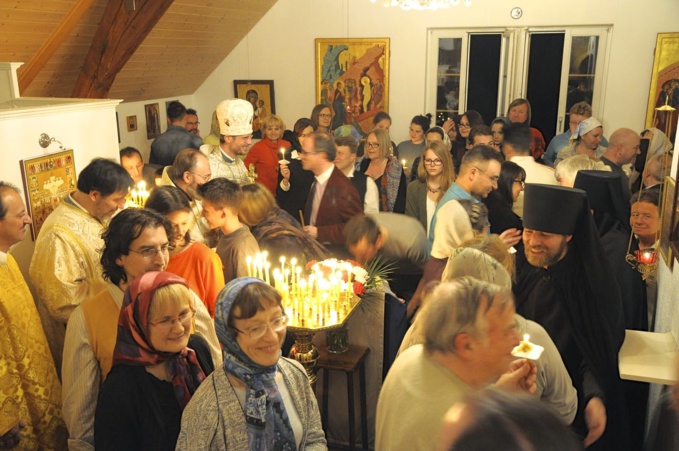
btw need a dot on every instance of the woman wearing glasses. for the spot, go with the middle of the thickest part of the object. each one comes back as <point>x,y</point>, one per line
<point>462,144</point>
<point>321,115</point>
<point>259,400</point>
<point>435,174</point>
<point>380,164</point>
<point>156,367</point>
<point>193,261</point>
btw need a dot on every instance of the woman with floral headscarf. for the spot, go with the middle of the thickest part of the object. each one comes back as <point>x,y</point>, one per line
<point>156,368</point>
<point>258,400</point>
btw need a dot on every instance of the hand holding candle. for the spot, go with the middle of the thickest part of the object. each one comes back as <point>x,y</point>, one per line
<point>283,161</point>
<point>527,350</point>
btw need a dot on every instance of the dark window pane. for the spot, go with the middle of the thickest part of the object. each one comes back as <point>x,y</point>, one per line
<point>544,80</point>
<point>484,73</point>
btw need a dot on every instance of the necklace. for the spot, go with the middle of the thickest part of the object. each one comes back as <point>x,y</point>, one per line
<point>433,190</point>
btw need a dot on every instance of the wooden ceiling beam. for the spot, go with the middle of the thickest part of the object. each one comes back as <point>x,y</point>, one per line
<point>28,73</point>
<point>119,35</point>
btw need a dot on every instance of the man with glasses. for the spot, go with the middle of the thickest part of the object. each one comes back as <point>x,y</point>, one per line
<point>333,200</point>
<point>517,149</point>
<point>166,146</point>
<point>135,242</point>
<point>450,225</point>
<point>190,170</point>
<point>235,128</point>
<point>31,394</point>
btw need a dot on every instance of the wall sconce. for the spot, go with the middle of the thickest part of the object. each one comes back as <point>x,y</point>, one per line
<point>45,141</point>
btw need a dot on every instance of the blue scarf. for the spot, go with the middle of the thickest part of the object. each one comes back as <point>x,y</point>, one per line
<point>268,426</point>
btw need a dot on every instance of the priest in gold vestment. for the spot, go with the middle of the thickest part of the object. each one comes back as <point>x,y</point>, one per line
<point>30,393</point>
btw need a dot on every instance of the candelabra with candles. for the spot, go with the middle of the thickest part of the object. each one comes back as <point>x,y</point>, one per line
<point>137,196</point>
<point>319,297</point>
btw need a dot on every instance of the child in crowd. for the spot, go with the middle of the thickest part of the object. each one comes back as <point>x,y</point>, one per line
<point>221,204</point>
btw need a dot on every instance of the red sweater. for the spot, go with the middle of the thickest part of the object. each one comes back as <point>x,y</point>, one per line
<point>265,155</point>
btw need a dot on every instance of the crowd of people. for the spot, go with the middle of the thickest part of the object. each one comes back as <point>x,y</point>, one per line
<point>148,331</point>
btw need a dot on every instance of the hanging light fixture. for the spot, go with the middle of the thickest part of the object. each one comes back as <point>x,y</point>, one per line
<point>646,260</point>
<point>423,4</point>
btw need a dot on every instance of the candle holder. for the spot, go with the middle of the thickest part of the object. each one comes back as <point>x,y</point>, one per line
<point>318,296</point>
<point>645,261</point>
<point>252,173</point>
<point>304,351</point>
<point>137,196</point>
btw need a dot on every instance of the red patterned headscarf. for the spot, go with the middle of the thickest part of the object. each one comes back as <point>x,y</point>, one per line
<point>133,346</point>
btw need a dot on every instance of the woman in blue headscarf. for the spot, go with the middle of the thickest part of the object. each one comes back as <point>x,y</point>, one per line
<point>259,401</point>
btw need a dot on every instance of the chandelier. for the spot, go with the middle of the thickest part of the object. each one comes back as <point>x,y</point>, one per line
<point>423,4</point>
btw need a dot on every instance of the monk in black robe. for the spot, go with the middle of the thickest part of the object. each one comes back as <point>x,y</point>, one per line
<point>568,287</point>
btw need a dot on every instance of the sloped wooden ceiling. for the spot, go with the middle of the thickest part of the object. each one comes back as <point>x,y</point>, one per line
<point>186,45</point>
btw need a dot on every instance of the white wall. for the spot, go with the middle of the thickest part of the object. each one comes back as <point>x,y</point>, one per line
<point>137,138</point>
<point>87,127</point>
<point>281,48</point>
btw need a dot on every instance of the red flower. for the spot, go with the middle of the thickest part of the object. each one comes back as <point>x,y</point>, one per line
<point>311,264</point>
<point>354,263</point>
<point>359,288</point>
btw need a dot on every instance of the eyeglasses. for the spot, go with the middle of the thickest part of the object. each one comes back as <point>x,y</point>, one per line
<point>434,162</point>
<point>205,178</point>
<point>372,145</point>
<point>150,252</point>
<point>520,182</point>
<point>245,137</point>
<point>325,116</point>
<point>277,325</point>
<point>463,125</point>
<point>493,179</point>
<point>168,323</point>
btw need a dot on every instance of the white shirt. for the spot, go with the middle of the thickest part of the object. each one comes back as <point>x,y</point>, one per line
<point>371,203</point>
<point>535,173</point>
<point>321,183</point>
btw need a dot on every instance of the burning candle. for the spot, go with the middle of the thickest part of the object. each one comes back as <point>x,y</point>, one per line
<point>403,163</point>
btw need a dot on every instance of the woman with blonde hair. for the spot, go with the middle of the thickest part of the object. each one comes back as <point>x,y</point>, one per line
<point>157,367</point>
<point>435,174</point>
<point>584,141</point>
<point>380,163</point>
<point>275,230</point>
<point>267,152</point>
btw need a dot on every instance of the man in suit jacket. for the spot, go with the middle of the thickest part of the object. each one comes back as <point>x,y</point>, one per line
<point>333,199</point>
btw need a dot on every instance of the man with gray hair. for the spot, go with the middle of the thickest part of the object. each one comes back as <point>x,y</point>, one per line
<point>190,170</point>
<point>469,333</point>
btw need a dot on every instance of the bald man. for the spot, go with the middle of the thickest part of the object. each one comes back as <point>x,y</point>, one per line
<point>623,148</point>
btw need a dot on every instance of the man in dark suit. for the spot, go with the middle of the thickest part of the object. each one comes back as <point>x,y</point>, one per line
<point>333,199</point>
